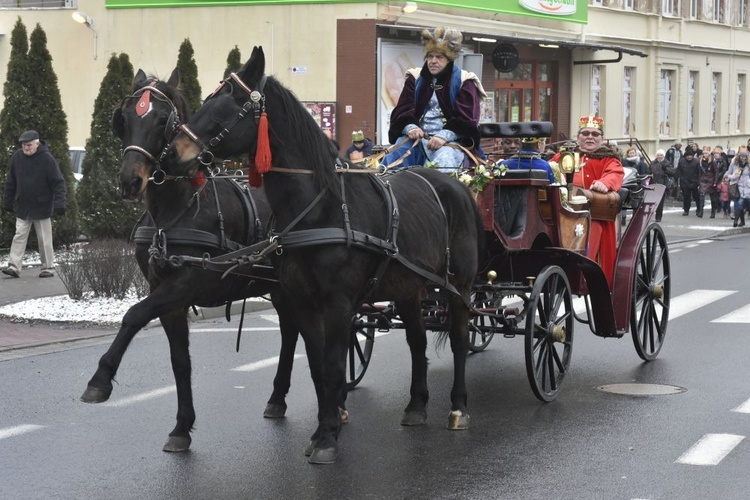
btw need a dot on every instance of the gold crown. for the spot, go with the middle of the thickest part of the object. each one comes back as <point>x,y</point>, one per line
<point>591,121</point>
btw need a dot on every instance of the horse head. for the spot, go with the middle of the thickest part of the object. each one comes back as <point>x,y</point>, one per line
<point>145,122</point>
<point>230,122</point>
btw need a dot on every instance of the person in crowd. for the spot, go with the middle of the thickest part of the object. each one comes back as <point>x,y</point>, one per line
<point>510,146</point>
<point>688,173</point>
<point>360,147</point>
<point>722,164</point>
<point>673,155</point>
<point>439,107</point>
<point>708,182</point>
<point>729,156</point>
<point>741,175</point>
<point>529,157</point>
<point>633,159</point>
<point>34,190</point>
<point>726,203</point>
<point>662,173</point>
<point>600,171</point>
<point>734,190</point>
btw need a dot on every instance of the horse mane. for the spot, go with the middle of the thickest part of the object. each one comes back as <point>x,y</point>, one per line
<point>319,152</point>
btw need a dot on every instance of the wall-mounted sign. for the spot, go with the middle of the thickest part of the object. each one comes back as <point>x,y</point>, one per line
<point>550,7</point>
<point>505,58</point>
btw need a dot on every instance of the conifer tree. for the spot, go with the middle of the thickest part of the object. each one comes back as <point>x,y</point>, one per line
<point>14,117</point>
<point>234,62</point>
<point>48,118</point>
<point>103,213</point>
<point>189,85</point>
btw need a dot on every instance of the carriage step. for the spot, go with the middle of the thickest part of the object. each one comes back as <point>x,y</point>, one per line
<point>509,335</point>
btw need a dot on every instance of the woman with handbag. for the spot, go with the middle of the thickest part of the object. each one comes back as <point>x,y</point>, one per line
<point>741,176</point>
<point>708,181</point>
<point>734,190</point>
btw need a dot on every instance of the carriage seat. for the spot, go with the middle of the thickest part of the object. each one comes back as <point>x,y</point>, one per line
<point>511,203</point>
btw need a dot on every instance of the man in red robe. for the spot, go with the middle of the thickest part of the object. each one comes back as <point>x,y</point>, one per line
<point>601,171</point>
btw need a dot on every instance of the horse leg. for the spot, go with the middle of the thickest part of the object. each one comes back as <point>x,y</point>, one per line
<point>458,418</point>
<point>100,386</point>
<point>410,312</point>
<point>176,327</point>
<point>331,380</point>
<point>276,406</point>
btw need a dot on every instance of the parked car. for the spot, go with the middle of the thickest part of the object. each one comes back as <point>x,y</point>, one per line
<point>77,154</point>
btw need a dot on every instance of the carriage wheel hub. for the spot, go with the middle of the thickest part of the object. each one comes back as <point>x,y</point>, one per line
<point>657,291</point>
<point>559,334</point>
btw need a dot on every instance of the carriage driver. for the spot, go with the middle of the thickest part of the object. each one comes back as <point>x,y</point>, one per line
<point>439,105</point>
<point>601,171</point>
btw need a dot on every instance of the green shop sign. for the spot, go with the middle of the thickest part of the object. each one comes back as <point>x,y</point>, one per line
<point>563,10</point>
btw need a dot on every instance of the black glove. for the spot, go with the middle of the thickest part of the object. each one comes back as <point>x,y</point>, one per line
<point>60,211</point>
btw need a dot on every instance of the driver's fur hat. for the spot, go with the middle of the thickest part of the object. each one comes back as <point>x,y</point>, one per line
<point>447,41</point>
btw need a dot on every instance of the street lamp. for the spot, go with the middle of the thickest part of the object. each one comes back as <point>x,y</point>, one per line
<point>409,7</point>
<point>83,18</point>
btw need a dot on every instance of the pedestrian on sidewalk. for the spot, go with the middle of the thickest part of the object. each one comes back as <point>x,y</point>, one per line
<point>742,177</point>
<point>688,173</point>
<point>726,202</point>
<point>34,190</point>
<point>708,181</point>
<point>662,172</point>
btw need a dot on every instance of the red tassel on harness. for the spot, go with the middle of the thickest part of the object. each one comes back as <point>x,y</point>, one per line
<point>263,152</point>
<point>198,179</point>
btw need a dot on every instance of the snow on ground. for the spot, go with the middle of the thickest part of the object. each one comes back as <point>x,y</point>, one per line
<point>99,310</point>
<point>90,309</point>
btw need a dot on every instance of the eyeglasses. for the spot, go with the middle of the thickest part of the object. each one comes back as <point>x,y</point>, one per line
<point>593,133</point>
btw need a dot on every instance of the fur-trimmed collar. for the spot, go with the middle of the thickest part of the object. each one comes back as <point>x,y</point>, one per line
<point>602,152</point>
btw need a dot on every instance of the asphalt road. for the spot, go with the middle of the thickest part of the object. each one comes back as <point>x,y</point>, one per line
<point>587,444</point>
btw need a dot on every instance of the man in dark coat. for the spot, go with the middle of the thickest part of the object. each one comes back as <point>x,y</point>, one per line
<point>438,108</point>
<point>34,190</point>
<point>688,172</point>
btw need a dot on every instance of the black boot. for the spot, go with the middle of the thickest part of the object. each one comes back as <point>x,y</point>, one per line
<point>699,213</point>
<point>742,220</point>
<point>713,214</point>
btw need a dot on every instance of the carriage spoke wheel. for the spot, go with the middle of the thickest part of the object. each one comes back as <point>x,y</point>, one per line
<point>360,350</point>
<point>549,332</point>
<point>481,327</point>
<point>649,312</point>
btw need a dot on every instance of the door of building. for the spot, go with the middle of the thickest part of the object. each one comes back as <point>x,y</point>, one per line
<point>527,93</point>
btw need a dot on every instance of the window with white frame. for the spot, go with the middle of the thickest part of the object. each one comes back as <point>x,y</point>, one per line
<point>667,7</point>
<point>715,104</point>
<point>629,4</point>
<point>597,2</point>
<point>692,104</point>
<point>666,84</point>
<point>739,106</point>
<point>742,18</point>
<point>627,100</point>
<point>597,82</point>
<point>718,8</point>
<point>693,9</point>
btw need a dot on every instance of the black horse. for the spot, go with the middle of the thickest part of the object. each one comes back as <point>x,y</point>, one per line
<point>196,213</point>
<point>344,238</point>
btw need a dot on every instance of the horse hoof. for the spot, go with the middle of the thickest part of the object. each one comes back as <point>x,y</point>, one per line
<point>411,418</point>
<point>323,456</point>
<point>309,448</point>
<point>344,415</point>
<point>177,444</point>
<point>457,421</point>
<point>95,395</point>
<point>274,410</point>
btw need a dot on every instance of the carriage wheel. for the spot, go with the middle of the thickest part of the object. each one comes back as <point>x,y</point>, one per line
<point>481,327</point>
<point>549,332</point>
<point>649,312</point>
<point>360,350</point>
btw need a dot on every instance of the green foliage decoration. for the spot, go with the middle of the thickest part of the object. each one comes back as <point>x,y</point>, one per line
<point>189,85</point>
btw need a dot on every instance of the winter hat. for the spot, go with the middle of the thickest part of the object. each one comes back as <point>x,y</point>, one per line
<point>688,151</point>
<point>660,152</point>
<point>446,41</point>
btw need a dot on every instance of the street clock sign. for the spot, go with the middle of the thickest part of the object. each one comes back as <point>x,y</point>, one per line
<point>505,58</point>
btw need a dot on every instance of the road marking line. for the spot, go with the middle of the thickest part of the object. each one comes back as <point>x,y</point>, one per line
<point>271,318</point>
<point>710,449</point>
<point>741,315</point>
<point>244,329</point>
<point>689,302</point>
<point>142,397</point>
<point>743,408</point>
<point>264,363</point>
<point>18,430</point>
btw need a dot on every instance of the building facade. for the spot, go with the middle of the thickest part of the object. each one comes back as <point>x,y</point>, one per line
<point>661,71</point>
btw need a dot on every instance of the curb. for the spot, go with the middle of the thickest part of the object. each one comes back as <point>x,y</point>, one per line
<point>252,304</point>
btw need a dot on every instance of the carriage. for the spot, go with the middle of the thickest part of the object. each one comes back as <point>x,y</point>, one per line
<point>343,246</point>
<point>536,238</point>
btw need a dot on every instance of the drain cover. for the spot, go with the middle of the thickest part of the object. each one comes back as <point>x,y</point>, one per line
<point>642,389</point>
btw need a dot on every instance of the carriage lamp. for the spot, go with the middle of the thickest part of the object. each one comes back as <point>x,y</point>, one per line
<point>491,277</point>
<point>85,19</point>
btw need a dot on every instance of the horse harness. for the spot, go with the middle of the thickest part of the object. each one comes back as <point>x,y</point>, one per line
<point>290,238</point>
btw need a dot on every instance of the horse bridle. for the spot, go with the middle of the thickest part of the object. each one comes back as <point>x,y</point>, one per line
<point>256,103</point>
<point>173,123</point>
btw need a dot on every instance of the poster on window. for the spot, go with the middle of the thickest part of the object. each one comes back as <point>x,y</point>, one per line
<point>487,109</point>
<point>324,114</point>
<point>395,59</point>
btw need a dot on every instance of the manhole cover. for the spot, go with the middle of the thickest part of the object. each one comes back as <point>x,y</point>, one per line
<point>642,389</point>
